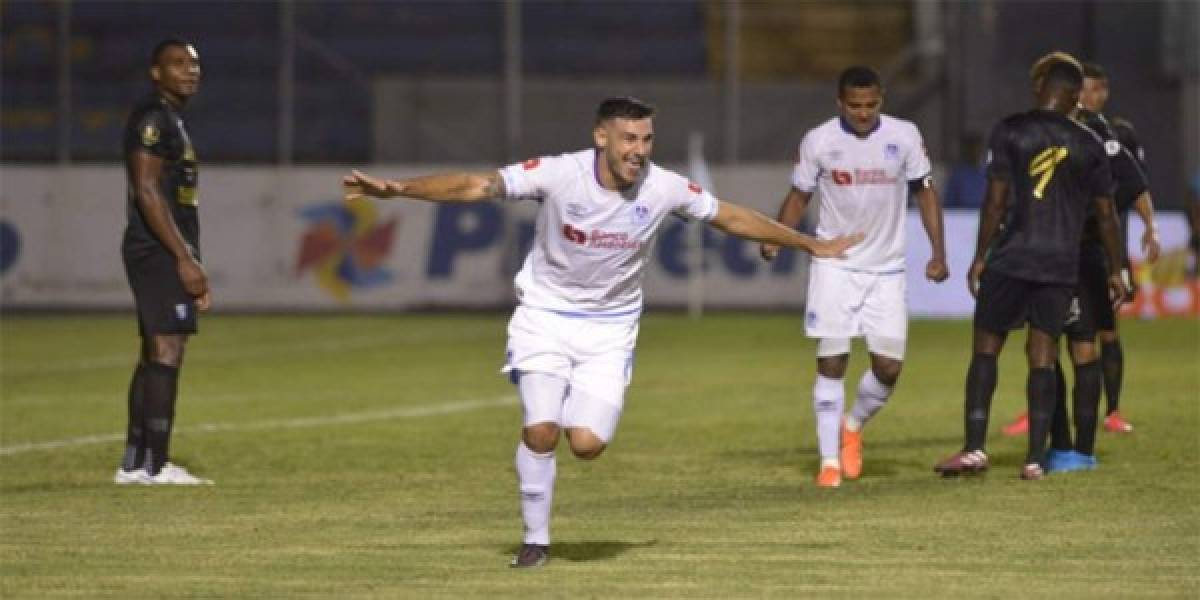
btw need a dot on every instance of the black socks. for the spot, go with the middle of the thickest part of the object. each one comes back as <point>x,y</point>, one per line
<point>159,383</point>
<point>981,383</point>
<point>135,433</point>
<point>1088,379</point>
<point>1112,359</point>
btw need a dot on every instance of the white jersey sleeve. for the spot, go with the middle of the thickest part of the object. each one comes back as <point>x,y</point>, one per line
<point>529,180</point>
<point>916,162</point>
<point>807,169</point>
<point>690,201</point>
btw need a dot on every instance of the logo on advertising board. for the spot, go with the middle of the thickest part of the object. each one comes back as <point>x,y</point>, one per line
<point>345,247</point>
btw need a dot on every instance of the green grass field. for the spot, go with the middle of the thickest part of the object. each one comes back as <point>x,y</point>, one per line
<point>371,457</point>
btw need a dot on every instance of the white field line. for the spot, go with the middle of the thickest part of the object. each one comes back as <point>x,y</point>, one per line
<point>413,412</point>
<point>210,354</point>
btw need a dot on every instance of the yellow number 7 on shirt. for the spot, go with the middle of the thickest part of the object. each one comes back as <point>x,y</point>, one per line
<point>1044,164</point>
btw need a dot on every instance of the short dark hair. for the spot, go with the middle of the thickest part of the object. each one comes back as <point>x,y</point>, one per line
<point>860,77</point>
<point>623,107</point>
<point>162,47</point>
<point>1063,74</point>
<point>1094,71</point>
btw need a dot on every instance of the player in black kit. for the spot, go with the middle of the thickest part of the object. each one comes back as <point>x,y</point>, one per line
<point>1096,316</point>
<point>162,261</point>
<point>1130,195</point>
<point>1050,169</point>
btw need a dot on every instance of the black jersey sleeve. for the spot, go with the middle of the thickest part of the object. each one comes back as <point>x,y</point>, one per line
<point>999,157</point>
<point>150,133</point>
<point>1098,172</point>
<point>1126,171</point>
<point>1128,137</point>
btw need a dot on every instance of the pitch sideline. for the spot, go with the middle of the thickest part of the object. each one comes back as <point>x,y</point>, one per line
<point>429,410</point>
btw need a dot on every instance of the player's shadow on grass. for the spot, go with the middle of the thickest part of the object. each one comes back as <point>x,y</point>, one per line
<point>587,551</point>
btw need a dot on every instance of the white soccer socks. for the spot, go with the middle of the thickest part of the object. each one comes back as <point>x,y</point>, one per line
<point>871,397</point>
<point>535,475</point>
<point>829,398</point>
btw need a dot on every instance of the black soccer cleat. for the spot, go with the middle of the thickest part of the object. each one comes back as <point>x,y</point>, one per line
<point>531,555</point>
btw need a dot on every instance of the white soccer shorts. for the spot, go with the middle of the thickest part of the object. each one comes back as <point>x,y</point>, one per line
<point>844,304</point>
<point>594,356</point>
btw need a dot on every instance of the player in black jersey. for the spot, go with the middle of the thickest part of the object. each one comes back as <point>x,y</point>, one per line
<point>1096,316</point>
<point>1129,195</point>
<point>1050,170</point>
<point>161,251</point>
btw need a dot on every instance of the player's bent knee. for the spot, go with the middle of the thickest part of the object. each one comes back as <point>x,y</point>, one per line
<point>887,371</point>
<point>585,444</point>
<point>541,437</point>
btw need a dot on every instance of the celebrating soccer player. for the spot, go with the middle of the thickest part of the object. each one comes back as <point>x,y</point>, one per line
<point>579,292</point>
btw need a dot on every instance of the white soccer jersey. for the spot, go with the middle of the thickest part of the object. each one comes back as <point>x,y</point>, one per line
<point>862,185</point>
<point>591,243</point>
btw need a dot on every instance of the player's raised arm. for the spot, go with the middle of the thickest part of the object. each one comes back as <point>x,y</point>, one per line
<point>753,225</point>
<point>449,187</point>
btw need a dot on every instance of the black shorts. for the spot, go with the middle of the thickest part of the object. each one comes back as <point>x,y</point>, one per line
<point>1005,303</point>
<point>1094,310</point>
<point>163,306</point>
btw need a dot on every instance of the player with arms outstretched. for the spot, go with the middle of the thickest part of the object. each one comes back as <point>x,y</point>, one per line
<point>579,292</point>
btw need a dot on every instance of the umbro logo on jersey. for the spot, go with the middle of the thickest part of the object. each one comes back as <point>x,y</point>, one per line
<point>577,210</point>
<point>531,164</point>
<point>694,188</point>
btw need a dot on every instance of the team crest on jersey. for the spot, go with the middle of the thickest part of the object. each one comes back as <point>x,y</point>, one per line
<point>1112,147</point>
<point>181,311</point>
<point>531,164</point>
<point>694,188</point>
<point>150,135</point>
<point>640,213</point>
<point>891,152</point>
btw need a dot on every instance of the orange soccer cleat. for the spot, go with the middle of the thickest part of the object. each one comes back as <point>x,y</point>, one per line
<point>829,477</point>
<point>1115,423</point>
<point>851,454</point>
<point>1019,426</point>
